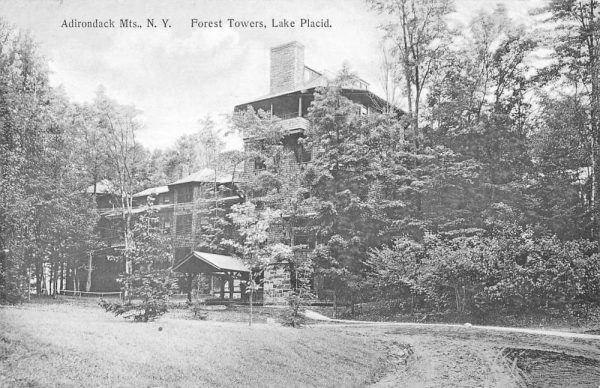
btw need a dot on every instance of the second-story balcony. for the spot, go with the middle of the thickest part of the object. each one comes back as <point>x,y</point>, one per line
<point>290,123</point>
<point>294,124</point>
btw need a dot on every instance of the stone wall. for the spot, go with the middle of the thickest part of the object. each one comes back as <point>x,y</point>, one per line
<point>277,284</point>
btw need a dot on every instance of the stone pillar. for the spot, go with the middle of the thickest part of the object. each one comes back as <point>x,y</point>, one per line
<point>277,284</point>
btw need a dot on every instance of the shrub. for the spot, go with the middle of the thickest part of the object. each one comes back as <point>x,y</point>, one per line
<point>149,293</point>
<point>11,290</point>
<point>293,315</point>
<point>475,275</point>
<point>148,285</point>
<point>199,310</point>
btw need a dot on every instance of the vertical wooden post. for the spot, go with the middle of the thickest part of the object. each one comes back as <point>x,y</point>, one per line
<point>243,284</point>
<point>222,287</point>
<point>190,278</point>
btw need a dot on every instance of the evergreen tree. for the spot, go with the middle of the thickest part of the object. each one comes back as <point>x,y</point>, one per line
<point>576,71</point>
<point>361,187</point>
<point>150,281</point>
<point>478,111</point>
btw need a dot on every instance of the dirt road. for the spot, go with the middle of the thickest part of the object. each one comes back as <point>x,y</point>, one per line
<point>459,355</point>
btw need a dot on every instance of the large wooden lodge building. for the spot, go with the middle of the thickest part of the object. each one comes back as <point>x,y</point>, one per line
<point>182,204</point>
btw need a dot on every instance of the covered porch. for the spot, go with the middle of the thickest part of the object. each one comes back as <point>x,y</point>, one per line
<point>226,275</point>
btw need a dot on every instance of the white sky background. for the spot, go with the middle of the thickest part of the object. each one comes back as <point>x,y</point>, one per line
<point>179,75</point>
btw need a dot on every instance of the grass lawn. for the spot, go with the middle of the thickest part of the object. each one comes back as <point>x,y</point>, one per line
<point>74,344</point>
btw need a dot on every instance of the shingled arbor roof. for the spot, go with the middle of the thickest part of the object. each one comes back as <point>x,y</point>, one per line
<point>202,262</point>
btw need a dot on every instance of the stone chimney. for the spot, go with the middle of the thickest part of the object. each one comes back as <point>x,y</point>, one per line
<point>287,67</point>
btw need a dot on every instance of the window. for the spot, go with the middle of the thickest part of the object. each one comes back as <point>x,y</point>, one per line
<point>303,155</point>
<point>185,194</point>
<point>363,110</point>
<point>303,238</point>
<point>259,164</point>
<point>166,225</point>
<point>183,224</point>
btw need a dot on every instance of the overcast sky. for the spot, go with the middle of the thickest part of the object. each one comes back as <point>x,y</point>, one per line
<point>178,75</point>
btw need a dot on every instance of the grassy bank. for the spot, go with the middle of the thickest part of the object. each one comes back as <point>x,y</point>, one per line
<point>70,344</point>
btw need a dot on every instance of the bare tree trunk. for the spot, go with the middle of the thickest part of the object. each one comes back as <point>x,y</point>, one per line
<point>44,289</point>
<point>55,284</point>
<point>334,305</point>
<point>592,47</point>
<point>51,282</point>
<point>62,276</point>
<point>251,296</point>
<point>75,279</point>
<point>38,279</point>
<point>594,190</point>
<point>28,283</point>
<point>251,312</point>
<point>88,283</point>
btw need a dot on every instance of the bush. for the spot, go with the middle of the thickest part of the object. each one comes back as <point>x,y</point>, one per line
<point>12,281</point>
<point>293,315</point>
<point>149,293</point>
<point>147,289</point>
<point>11,290</point>
<point>140,312</point>
<point>476,275</point>
<point>199,310</point>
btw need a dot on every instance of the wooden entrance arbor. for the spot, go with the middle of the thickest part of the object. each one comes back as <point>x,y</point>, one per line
<point>228,268</point>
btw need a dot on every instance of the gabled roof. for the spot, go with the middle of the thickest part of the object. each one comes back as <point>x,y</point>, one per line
<point>212,262</point>
<point>152,191</point>
<point>206,175</point>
